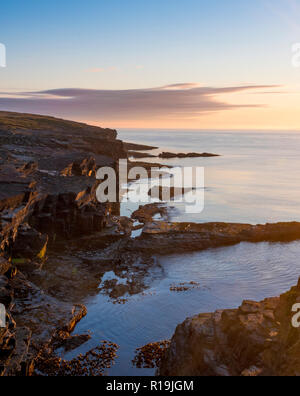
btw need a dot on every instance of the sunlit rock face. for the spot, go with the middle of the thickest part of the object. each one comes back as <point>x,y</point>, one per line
<point>47,176</point>
<point>258,339</point>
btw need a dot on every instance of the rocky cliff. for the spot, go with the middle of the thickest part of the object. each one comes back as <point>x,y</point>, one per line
<point>47,196</point>
<point>47,179</point>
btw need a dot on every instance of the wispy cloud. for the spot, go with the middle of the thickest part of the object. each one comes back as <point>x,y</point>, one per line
<point>171,101</point>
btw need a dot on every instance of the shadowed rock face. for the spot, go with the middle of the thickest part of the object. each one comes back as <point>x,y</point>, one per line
<point>257,339</point>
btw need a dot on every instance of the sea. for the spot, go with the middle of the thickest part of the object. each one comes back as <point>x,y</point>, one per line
<point>254,180</point>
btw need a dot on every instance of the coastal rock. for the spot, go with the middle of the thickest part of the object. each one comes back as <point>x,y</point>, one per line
<point>46,169</point>
<point>138,147</point>
<point>86,167</point>
<point>4,266</point>
<point>73,342</point>
<point>257,339</point>
<point>137,154</point>
<point>122,225</point>
<point>145,213</point>
<point>29,243</point>
<point>19,363</point>
<point>168,237</point>
<point>166,155</point>
<point>47,197</point>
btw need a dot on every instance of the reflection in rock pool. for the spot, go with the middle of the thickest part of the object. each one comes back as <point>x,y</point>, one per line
<point>152,310</point>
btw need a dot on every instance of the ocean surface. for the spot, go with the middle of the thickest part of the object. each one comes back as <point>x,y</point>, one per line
<point>255,181</point>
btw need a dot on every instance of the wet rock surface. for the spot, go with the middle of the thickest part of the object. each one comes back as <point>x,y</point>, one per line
<point>150,355</point>
<point>94,363</point>
<point>257,339</point>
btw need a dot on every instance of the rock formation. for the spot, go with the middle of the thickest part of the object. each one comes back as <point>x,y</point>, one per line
<point>47,197</point>
<point>165,155</point>
<point>257,339</point>
<point>168,238</point>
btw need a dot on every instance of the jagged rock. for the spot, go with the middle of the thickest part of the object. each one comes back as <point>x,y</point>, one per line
<point>78,312</point>
<point>257,339</point>
<point>122,224</point>
<point>37,153</point>
<point>145,213</point>
<point>19,363</point>
<point>87,167</point>
<point>28,168</point>
<point>4,266</point>
<point>29,243</point>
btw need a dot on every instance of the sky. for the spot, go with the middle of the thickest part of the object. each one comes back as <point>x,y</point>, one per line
<point>154,64</point>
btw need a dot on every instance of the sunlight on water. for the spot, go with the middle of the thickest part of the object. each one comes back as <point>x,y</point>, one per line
<point>256,179</point>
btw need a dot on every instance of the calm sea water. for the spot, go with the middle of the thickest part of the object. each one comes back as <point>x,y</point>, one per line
<point>255,181</point>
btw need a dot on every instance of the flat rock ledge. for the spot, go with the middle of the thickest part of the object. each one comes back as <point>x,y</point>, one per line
<point>168,238</point>
<point>257,339</point>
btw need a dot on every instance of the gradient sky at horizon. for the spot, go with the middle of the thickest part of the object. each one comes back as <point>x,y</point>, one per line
<point>135,44</point>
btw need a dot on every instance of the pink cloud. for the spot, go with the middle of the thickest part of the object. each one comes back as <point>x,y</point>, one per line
<point>177,100</point>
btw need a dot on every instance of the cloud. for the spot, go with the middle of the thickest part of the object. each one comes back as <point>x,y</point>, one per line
<point>171,101</point>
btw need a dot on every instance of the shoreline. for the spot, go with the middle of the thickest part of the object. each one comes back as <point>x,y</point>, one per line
<point>48,206</point>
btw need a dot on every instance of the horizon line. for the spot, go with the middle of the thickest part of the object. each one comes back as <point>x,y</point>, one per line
<point>211,129</point>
